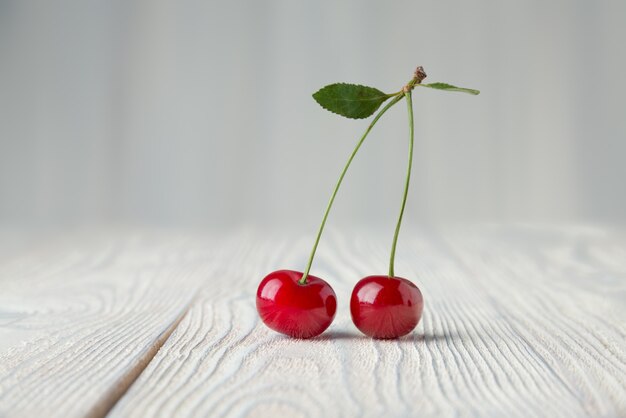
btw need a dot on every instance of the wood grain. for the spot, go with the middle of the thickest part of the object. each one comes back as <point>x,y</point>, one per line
<point>81,316</point>
<point>519,321</point>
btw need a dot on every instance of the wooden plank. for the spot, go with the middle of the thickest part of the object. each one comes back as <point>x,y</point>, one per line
<point>518,322</point>
<point>81,316</point>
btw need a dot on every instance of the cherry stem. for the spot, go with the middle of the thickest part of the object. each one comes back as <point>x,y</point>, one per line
<point>409,104</point>
<point>395,100</point>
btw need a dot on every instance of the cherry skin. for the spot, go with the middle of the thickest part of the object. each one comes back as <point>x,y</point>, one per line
<point>300,311</point>
<point>386,307</point>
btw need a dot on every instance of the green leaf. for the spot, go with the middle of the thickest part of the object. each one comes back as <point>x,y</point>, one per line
<point>350,100</point>
<point>449,87</point>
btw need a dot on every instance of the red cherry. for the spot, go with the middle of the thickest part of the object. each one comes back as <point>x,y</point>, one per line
<point>386,307</point>
<point>297,310</point>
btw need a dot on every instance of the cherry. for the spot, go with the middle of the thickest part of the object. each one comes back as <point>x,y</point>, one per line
<point>298,310</point>
<point>386,307</point>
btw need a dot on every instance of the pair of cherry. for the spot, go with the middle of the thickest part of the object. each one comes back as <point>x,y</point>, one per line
<point>381,306</point>
<point>303,306</point>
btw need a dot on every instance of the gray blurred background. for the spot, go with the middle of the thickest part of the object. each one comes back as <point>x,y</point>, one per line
<point>200,112</point>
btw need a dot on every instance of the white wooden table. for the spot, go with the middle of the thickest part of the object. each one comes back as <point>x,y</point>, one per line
<point>518,321</point>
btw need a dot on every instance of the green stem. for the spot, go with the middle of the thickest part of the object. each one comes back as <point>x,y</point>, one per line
<point>395,100</point>
<point>409,104</point>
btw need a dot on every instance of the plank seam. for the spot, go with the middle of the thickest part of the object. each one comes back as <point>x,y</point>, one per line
<point>105,405</point>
